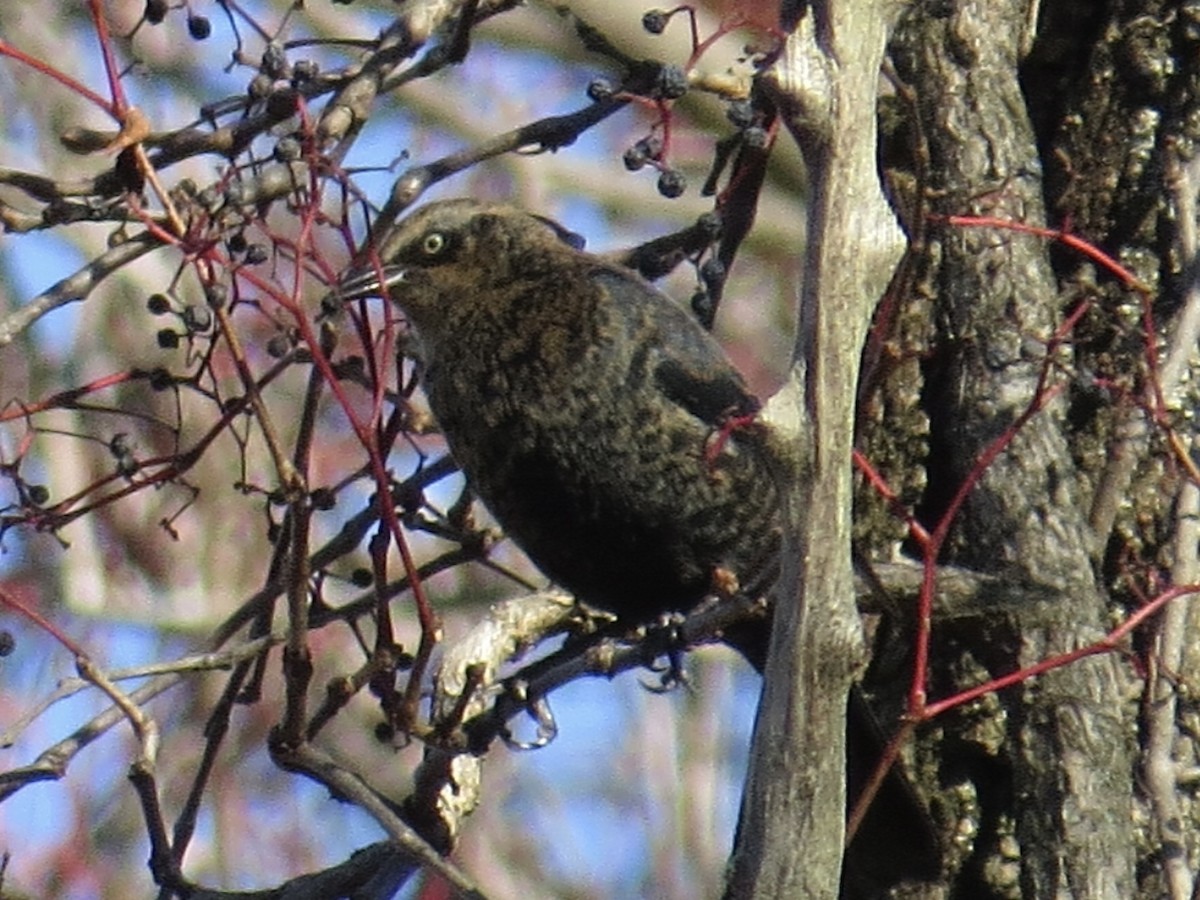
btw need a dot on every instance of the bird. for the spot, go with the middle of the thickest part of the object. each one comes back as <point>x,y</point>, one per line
<point>595,418</point>
<point>608,433</point>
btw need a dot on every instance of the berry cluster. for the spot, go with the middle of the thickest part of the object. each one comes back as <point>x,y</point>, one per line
<point>198,26</point>
<point>742,116</point>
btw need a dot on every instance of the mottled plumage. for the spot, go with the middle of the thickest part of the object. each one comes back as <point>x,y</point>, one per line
<point>587,410</point>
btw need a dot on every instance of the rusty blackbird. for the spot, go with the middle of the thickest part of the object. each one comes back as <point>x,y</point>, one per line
<point>592,415</point>
<point>604,429</point>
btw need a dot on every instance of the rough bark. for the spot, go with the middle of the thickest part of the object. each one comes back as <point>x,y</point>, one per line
<point>997,306</point>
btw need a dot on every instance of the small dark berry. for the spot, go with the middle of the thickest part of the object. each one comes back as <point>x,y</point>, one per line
<point>167,339</point>
<point>672,82</point>
<point>256,254</point>
<point>282,103</point>
<point>8,643</point>
<point>755,137</point>
<point>672,183</point>
<point>362,578</point>
<point>160,380</point>
<point>236,243</point>
<point>279,344</point>
<point>305,70</point>
<point>331,305</point>
<point>156,11</point>
<point>643,151</point>
<point>652,146</point>
<point>287,149</point>
<point>158,304</point>
<point>38,494</point>
<point>199,27</point>
<point>740,113</point>
<point>274,61</point>
<point>600,89</point>
<point>197,319</point>
<point>260,86</point>
<point>120,444</point>
<point>410,498</point>
<point>323,498</point>
<point>655,21</point>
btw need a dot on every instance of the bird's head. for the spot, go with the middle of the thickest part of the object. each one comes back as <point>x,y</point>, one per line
<point>456,252</point>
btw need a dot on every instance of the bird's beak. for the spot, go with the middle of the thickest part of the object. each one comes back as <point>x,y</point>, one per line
<point>365,282</point>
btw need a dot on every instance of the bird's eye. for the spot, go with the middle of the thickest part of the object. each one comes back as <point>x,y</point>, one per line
<point>434,243</point>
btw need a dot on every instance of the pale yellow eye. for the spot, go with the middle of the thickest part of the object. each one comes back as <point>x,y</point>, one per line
<point>434,243</point>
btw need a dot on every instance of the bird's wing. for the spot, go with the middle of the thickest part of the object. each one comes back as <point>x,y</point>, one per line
<point>685,361</point>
